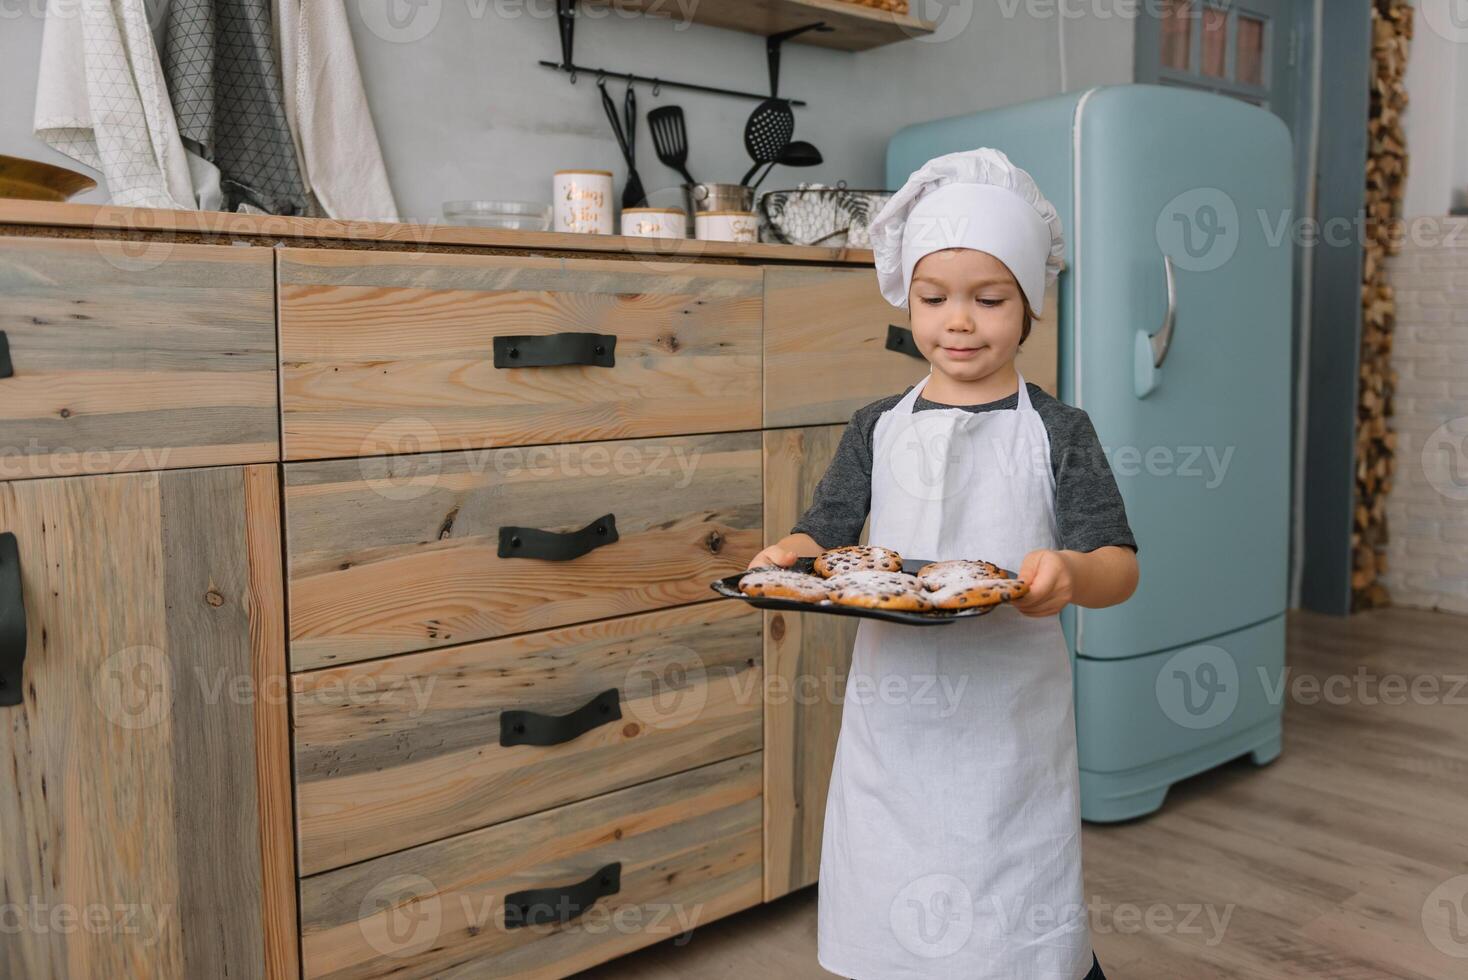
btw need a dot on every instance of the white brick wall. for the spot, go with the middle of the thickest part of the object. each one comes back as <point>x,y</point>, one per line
<point>1427,510</point>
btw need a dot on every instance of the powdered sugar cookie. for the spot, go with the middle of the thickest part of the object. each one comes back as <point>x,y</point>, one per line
<point>936,574</point>
<point>977,592</point>
<point>857,556</point>
<point>876,589</point>
<point>784,583</point>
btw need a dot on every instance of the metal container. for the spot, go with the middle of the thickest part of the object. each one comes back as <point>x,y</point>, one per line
<point>718,197</point>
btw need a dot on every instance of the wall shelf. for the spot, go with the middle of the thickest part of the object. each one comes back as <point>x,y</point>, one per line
<point>856,28</point>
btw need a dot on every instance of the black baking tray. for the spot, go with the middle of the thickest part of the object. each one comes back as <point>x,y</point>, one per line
<point>728,586</point>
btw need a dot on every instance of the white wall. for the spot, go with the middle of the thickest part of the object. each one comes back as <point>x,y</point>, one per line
<point>1436,120</point>
<point>1427,556</point>
<point>464,110</point>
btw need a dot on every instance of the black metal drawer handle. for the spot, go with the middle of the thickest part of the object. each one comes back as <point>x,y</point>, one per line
<point>552,350</point>
<point>532,542</point>
<point>900,339</point>
<point>6,368</point>
<point>520,727</point>
<point>12,622</point>
<point>561,903</point>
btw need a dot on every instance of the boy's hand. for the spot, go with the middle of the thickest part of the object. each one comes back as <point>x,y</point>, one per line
<point>773,555</point>
<point>1052,583</point>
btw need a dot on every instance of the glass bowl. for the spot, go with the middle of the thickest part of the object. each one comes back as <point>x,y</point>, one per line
<point>514,215</point>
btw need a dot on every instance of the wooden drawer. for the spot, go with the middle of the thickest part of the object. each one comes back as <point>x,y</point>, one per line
<point>393,554</point>
<point>825,351</point>
<point>129,360</point>
<point>393,352</point>
<point>826,354</point>
<point>406,750</point>
<point>675,853</point>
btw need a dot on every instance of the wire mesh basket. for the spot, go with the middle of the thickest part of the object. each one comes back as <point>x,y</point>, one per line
<point>815,214</point>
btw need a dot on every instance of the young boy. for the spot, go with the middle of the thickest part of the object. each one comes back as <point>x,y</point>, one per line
<point>951,844</point>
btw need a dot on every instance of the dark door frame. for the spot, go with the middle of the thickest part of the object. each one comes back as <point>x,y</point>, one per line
<point>1333,353</point>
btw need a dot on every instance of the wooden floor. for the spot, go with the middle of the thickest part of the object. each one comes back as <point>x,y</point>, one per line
<point>1323,864</point>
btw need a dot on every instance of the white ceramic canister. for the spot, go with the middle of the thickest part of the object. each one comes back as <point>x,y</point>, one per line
<point>583,201</point>
<point>655,222</point>
<point>727,226</point>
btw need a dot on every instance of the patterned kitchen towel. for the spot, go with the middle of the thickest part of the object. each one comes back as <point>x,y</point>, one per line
<point>327,108</point>
<point>219,60</point>
<point>101,99</point>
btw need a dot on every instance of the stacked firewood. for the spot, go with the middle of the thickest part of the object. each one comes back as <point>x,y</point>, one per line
<point>1386,177</point>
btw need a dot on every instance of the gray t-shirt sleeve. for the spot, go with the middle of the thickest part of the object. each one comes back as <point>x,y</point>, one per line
<point>1089,511</point>
<point>843,497</point>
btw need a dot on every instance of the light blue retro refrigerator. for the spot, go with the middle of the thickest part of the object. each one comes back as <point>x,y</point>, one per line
<point>1174,336</point>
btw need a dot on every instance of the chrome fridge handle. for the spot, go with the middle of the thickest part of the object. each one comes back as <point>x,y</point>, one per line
<point>1162,339</point>
<point>1150,350</point>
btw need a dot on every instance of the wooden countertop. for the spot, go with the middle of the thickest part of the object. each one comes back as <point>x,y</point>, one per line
<point>19,217</point>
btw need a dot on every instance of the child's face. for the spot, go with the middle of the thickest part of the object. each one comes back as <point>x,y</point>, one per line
<point>967,312</point>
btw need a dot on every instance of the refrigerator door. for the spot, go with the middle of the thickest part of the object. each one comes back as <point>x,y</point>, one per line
<point>1177,184</point>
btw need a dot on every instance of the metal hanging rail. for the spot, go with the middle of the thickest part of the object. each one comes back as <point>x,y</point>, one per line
<point>566,21</point>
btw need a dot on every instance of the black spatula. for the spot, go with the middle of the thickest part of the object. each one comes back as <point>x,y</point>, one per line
<point>670,137</point>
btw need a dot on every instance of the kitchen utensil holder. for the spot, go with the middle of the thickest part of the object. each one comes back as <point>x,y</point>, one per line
<point>566,23</point>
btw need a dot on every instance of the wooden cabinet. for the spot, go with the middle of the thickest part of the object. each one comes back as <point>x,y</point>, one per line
<point>135,356</point>
<point>144,788</point>
<point>401,352</point>
<point>807,659</point>
<point>548,894</point>
<point>513,693</point>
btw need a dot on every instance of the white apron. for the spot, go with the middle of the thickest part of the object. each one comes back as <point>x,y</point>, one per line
<point>951,846</point>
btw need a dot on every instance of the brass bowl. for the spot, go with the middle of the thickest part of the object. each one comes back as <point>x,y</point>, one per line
<point>32,180</point>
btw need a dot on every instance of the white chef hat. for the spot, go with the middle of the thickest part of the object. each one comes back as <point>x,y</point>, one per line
<point>971,199</point>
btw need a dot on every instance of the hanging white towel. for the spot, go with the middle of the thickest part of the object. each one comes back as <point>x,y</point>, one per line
<point>101,100</point>
<point>326,107</point>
